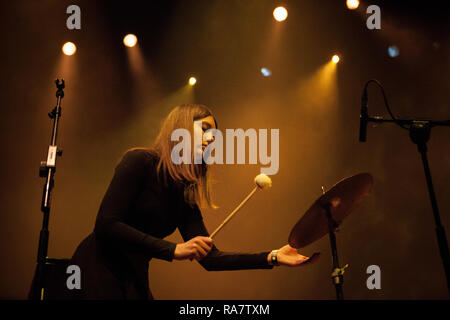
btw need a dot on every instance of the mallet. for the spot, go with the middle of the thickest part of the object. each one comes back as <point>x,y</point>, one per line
<point>262,181</point>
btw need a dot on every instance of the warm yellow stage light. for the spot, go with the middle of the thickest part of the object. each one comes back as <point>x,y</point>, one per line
<point>280,14</point>
<point>352,4</point>
<point>192,81</point>
<point>130,40</point>
<point>335,58</point>
<point>69,48</point>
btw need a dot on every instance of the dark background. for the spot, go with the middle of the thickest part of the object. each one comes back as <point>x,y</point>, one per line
<point>109,106</point>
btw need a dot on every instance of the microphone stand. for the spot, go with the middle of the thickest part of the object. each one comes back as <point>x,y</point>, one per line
<point>419,132</point>
<point>47,170</point>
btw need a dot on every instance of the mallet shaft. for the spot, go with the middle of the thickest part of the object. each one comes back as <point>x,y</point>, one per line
<point>234,211</point>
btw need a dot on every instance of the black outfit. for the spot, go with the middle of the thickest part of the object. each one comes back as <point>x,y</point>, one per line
<point>137,212</point>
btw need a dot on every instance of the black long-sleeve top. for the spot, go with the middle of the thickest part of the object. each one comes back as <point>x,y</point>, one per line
<point>137,212</point>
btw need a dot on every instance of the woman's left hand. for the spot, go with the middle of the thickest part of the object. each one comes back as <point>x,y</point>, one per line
<point>288,256</point>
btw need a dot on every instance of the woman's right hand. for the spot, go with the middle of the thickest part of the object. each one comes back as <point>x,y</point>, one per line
<point>196,248</point>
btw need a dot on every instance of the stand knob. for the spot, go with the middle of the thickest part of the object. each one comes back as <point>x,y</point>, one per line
<point>338,273</point>
<point>43,169</point>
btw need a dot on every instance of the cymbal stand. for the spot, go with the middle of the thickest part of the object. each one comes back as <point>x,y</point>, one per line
<point>338,273</point>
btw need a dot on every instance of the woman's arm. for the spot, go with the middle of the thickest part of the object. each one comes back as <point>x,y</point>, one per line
<point>110,226</point>
<point>217,260</point>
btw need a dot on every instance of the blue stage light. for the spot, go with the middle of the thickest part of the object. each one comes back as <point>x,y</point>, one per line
<point>393,51</point>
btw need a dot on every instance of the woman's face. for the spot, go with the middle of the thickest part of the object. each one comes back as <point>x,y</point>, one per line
<point>207,123</point>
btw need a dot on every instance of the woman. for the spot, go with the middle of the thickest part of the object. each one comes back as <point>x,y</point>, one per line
<point>148,198</point>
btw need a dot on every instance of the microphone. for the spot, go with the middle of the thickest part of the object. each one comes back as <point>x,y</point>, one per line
<point>363,117</point>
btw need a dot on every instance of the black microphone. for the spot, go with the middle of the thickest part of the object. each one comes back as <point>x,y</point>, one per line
<point>363,117</point>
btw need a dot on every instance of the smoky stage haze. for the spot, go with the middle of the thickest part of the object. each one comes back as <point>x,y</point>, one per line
<point>116,97</point>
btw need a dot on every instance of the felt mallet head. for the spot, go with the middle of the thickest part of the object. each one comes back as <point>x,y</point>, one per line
<point>263,181</point>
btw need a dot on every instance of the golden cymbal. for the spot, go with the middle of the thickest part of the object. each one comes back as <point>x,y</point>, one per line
<point>342,199</point>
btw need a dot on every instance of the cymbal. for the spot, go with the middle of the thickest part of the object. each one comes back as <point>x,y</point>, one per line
<point>342,199</point>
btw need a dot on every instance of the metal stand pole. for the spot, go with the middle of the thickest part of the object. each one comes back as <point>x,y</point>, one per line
<point>47,170</point>
<point>420,134</point>
<point>338,273</point>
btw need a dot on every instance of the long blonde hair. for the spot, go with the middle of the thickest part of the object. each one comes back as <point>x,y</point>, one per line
<point>194,177</point>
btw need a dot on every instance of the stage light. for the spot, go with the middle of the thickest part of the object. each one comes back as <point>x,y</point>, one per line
<point>130,40</point>
<point>393,51</point>
<point>266,72</point>
<point>280,14</point>
<point>69,48</point>
<point>335,58</point>
<point>192,81</point>
<point>352,4</point>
